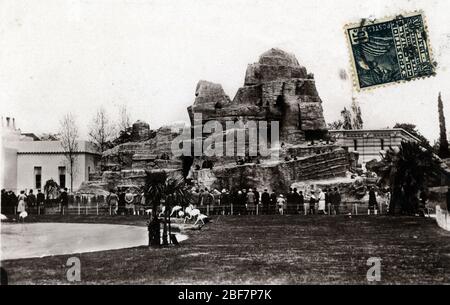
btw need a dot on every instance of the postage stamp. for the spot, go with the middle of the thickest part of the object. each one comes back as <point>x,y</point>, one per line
<point>390,50</point>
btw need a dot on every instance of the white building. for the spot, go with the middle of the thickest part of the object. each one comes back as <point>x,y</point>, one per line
<point>370,143</point>
<point>28,164</point>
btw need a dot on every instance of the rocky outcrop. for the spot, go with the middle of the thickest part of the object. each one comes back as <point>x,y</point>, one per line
<point>275,175</point>
<point>276,88</point>
<point>154,153</point>
<point>140,131</point>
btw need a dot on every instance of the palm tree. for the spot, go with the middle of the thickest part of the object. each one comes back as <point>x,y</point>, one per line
<point>406,170</point>
<point>171,190</point>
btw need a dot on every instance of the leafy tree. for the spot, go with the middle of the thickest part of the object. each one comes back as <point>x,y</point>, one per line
<point>171,190</point>
<point>335,125</point>
<point>412,129</point>
<point>444,151</point>
<point>406,170</point>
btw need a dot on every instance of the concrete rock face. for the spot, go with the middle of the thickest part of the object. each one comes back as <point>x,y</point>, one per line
<point>276,88</point>
<point>140,131</point>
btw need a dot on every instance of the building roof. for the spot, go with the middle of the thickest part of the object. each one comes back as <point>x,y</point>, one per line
<point>50,147</point>
<point>401,130</point>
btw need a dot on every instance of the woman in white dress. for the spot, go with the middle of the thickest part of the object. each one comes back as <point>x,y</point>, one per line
<point>21,206</point>
<point>322,205</point>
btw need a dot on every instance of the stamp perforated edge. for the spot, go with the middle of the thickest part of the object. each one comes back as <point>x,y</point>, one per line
<point>354,77</point>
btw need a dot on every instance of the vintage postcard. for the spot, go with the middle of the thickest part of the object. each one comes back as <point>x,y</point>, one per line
<point>193,143</point>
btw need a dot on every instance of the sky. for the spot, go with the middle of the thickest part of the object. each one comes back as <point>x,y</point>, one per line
<point>76,55</point>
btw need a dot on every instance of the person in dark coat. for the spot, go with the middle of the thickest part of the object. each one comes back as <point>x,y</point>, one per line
<point>241,201</point>
<point>265,200</point>
<point>372,201</point>
<point>301,203</point>
<point>40,201</point>
<point>13,201</point>
<point>312,203</point>
<point>273,203</point>
<point>225,202</point>
<point>64,200</point>
<point>5,202</point>
<point>296,199</point>
<point>290,201</point>
<point>336,200</point>
<point>122,203</point>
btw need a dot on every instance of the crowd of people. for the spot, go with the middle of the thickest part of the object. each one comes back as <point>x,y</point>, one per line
<point>12,203</point>
<point>250,201</point>
<point>126,202</point>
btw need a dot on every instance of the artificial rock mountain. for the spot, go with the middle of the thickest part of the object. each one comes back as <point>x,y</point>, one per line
<point>276,88</point>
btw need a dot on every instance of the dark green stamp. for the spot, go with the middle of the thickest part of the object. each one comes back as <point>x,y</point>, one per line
<point>390,50</point>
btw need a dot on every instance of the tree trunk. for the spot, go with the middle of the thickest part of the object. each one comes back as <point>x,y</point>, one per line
<point>164,237</point>
<point>154,227</point>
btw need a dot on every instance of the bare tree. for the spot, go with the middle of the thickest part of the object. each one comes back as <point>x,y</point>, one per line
<point>68,138</point>
<point>101,131</point>
<point>124,119</point>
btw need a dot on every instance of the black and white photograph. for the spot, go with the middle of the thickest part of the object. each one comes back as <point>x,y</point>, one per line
<point>224,144</point>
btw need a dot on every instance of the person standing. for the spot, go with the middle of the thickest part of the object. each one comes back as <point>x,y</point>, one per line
<point>250,200</point>
<point>328,199</point>
<point>121,206</point>
<point>129,202</point>
<point>225,202</point>
<point>336,200</point>
<point>301,203</point>
<point>31,200</point>
<point>322,205</point>
<point>4,206</point>
<point>312,203</point>
<point>290,201</point>
<point>13,201</point>
<point>296,199</point>
<point>64,200</point>
<point>21,205</point>
<point>240,202</point>
<point>40,201</point>
<point>265,200</point>
<point>281,203</point>
<point>372,201</point>
<point>113,202</point>
<point>273,203</point>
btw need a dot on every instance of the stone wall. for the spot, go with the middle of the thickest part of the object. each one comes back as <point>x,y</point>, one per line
<point>276,175</point>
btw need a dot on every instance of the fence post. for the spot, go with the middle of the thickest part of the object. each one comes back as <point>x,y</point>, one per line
<point>39,210</point>
<point>97,208</point>
<point>78,208</point>
<point>86,208</point>
<point>257,209</point>
<point>207,209</point>
<point>110,210</point>
<point>232,209</point>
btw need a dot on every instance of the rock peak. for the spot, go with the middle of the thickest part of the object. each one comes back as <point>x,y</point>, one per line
<point>278,57</point>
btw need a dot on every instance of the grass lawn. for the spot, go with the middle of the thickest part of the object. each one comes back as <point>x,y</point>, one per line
<point>261,250</point>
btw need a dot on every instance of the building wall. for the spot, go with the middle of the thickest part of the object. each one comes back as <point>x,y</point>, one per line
<point>49,164</point>
<point>369,142</point>
<point>8,168</point>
